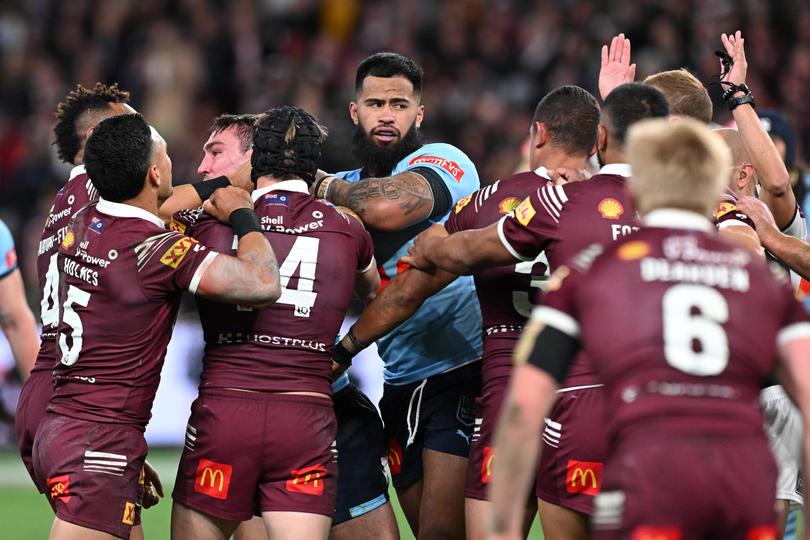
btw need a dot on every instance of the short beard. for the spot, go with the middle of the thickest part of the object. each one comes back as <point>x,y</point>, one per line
<point>380,160</point>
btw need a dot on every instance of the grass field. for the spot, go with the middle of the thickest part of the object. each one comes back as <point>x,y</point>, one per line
<point>25,514</point>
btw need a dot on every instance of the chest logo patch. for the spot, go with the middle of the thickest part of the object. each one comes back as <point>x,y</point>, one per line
<point>610,208</point>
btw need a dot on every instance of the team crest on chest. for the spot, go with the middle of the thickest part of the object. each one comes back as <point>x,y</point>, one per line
<point>610,208</point>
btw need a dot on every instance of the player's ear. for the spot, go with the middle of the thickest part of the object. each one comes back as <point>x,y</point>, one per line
<point>153,176</point>
<point>420,114</point>
<point>540,134</point>
<point>601,138</point>
<point>745,175</point>
<point>353,112</point>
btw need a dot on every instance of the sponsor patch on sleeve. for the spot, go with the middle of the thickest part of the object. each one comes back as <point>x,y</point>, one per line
<point>723,209</point>
<point>450,166</point>
<point>175,254</point>
<point>525,212</point>
<point>463,202</point>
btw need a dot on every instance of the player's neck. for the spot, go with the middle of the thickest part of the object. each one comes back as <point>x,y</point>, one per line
<point>145,201</point>
<point>560,160</point>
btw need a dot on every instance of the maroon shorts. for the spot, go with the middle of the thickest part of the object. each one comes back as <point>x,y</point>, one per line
<point>248,453</point>
<point>667,488</point>
<point>34,397</point>
<point>574,446</point>
<point>479,467</point>
<point>92,471</point>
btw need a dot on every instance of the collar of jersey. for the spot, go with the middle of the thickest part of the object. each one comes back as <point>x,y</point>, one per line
<point>542,171</point>
<point>298,186</point>
<point>676,218</point>
<point>127,211</point>
<point>76,171</point>
<point>621,169</point>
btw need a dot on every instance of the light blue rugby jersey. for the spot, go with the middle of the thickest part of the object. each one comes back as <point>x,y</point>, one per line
<point>446,331</point>
<point>8,256</point>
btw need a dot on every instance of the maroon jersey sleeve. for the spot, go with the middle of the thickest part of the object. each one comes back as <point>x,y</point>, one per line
<point>728,215</point>
<point>170,262</point>
<point>558,307</point>
<point>365,246</point>
<point>462,217</point>
<point>185,220</point>
<point>534,223</point>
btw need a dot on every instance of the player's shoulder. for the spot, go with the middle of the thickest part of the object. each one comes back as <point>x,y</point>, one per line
<point>444,157</point>
<point>728,215</point>
<point>184,219</point>
<point>352,175</point>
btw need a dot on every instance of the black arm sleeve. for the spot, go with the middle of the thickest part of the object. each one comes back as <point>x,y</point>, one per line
<point>442,200</point>
<point>554,352</point>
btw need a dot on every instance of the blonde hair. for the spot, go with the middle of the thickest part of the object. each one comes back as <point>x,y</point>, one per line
<point>676,165</point>
<point>685,94</point>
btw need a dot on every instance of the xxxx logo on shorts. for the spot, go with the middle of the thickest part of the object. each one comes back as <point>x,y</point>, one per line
<point>486,465</point>
<point>394,456</point>
<point>175,254</point>
<point>583,477</point>
<point>309,480</point>
<point>656,533</point>
<point>213,479</point>
<point>129,513</point>
<point>59,487</point>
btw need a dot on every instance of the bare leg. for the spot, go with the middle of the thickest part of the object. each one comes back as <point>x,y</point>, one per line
<point>62,530</point>
<point>251,530</point>
<point>476,516</point>
<point>409,500</point>
<point>137,533</point>
<point>379,524</point>
<point>188,524</point>
<point>296,525</point>
<point>561,523</point>
<point>441,509</point>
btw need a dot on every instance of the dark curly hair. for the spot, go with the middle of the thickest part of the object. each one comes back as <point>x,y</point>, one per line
<point>117,156</point>
<point>75,113</point>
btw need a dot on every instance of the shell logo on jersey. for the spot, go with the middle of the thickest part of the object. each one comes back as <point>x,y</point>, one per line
<point>525,212</point>
<point>508,205</point>
<point>463,202</point>
<point>450,166</point>
<point>486,464</point>
<point>59,487</point>
<point>610,208</point>
<point>129,513</point>
<point>69,239</point>
<point>394,456</point>
<point>631,251</point>
<point>724,209</point>
<point>175,225</point>
<point>656,533</point>
<point>309,480</point>
<point>583,477</point>
<point>213,479</point>
<point>763,532</point>
<point>175,254</point>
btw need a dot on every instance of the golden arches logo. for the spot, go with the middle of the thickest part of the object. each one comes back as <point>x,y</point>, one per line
<point>213,479</point>
<point>583,475</point>
<point>486,465</point>
<point>212,475</point>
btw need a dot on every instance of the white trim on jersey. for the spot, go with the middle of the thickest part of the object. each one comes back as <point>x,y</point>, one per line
<point>296,186</point>
<point>506,243</point>
<point>621,169</point>
<point>676,218</point>
<point>543,172</point>
<point>76,171</point>
<point>732,223</point>
<point>798,227</point>
<point>371,265</point>
<point>563,322</point>
<point>793,331</point>
<point>198,273</point>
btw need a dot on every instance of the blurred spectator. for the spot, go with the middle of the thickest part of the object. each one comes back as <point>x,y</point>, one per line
<point>487,62</point>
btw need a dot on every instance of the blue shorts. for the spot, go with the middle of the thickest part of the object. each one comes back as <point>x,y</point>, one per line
<point>362,485</point>
<point>437,413</point>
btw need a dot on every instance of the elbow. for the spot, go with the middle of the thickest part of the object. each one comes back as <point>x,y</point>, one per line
<point>779,185</point>
<point>384,216</point>
<point>265,291</point>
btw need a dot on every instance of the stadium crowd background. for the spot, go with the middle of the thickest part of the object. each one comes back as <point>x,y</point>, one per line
<point>486,62</point>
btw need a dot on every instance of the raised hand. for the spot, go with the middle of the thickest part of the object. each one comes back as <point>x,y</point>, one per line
<point>616,67</point>
<point>735,48</point>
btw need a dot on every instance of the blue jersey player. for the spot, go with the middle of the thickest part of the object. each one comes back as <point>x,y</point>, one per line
<point>432,368</point>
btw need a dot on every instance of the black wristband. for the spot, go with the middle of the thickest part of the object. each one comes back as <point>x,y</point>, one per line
<point>244,221</point>
<point>206,188</point>
<point>733,103</point>
<point>341,355</point>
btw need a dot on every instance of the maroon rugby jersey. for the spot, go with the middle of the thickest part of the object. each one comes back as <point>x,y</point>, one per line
<point>121,275</point>
<point>74,195</point>
<point>680,324</point>
<point>506,293</point>
<point>563,220</point>
<point>284,347</point>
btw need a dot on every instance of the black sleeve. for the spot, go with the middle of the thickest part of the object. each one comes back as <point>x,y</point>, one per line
<point>554,352</point>
<point>442,200</point>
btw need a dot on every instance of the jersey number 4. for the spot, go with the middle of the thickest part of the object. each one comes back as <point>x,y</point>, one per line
<point>695,341</point>
<point>303,257</point>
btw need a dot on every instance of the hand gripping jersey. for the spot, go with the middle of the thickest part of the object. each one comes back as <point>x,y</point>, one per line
<point>284,347</point>
<point>563,220</point>
<point>679,324</point>
<point>121,275</point>
<point>505,293</point>
<point>445,332</point>
<point>74,195</point>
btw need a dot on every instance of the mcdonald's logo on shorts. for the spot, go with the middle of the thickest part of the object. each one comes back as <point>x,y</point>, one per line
<point>59,488</point>
<point>763,532</point>
<point>213,479</point>
<point>486,464</point>
<point>394,456</point>
<point>656,533</point>
<point>584,477</point>
<point>129,514</point>
<point>308,480</point>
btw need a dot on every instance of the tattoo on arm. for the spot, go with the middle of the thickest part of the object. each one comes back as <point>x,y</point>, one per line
<point>410,190</point>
